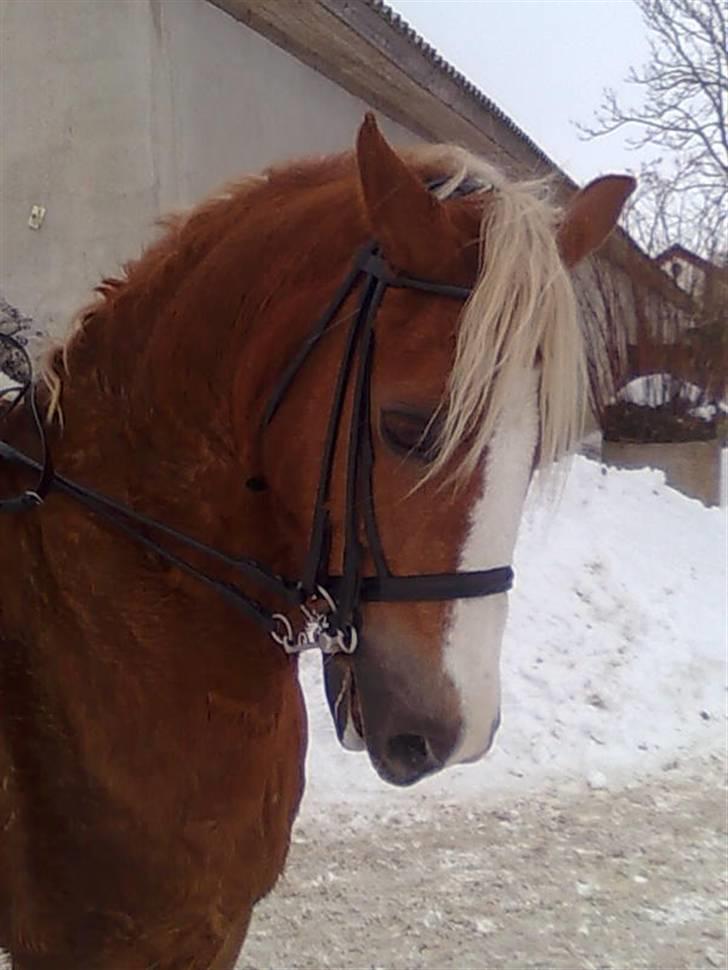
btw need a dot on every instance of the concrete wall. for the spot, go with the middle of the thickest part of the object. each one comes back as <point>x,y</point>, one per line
<point>74,138</point>
<point>695,468</point>
<point>114,112</point>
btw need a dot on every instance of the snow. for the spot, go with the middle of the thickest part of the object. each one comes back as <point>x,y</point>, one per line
<point>6,383</point>
<point>656,389</point>
<point>653,389</point>
<point>614,661</point>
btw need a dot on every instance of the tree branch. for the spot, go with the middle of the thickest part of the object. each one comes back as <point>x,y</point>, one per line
<point>684,111</point>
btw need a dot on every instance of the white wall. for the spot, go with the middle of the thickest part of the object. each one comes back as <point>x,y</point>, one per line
<point>113,112</point>
<point>74,137</point>
<point>239,102</point>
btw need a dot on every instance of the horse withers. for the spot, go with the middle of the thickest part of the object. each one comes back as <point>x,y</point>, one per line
<point>321,395</point>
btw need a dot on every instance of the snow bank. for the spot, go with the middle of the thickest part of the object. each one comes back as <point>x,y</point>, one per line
<point>614,659</point>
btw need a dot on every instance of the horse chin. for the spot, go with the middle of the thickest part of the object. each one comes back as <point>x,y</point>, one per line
<point>344,703</point>
<point>350,738</point>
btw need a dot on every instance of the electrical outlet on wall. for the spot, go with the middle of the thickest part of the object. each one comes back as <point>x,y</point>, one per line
<point>37,215</point>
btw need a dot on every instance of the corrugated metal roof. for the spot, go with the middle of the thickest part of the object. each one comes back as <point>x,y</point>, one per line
<point>446,68</point>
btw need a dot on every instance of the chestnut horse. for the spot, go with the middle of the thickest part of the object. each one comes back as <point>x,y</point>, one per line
<point>152,735</point>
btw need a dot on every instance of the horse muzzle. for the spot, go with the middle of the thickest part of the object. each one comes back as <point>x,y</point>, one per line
<point>406,738</point>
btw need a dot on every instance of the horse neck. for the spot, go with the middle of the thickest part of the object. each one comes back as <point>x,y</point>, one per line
<point>171,376</point>
<point>131,627</point>
<point>135,436</point>
<point>167,380</point>
<point>158,439</point>
<point>122,654</point>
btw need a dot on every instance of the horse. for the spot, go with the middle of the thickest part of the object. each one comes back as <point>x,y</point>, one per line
<point>386,340</point>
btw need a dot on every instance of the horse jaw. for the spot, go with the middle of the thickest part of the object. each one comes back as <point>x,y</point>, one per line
<point>343,704</point>
<point>472,643</point>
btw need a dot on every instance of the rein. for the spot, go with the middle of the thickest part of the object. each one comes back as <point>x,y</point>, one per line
<point>330,605</point>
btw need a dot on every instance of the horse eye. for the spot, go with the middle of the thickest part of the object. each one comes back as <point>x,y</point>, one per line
<point>410,434</point>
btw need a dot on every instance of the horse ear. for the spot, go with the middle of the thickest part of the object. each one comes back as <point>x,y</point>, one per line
<point>400,210</point>
<point>591,215</point>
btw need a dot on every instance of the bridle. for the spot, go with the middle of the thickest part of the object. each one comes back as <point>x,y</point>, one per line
<point>330,605</point>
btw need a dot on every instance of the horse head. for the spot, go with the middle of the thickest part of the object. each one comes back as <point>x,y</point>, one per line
<point>465,401</point>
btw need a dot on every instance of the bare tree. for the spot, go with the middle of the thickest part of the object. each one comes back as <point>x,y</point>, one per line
<point>683,193</point>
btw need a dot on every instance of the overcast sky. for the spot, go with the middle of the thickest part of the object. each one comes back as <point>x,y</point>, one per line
<point>545,63</point>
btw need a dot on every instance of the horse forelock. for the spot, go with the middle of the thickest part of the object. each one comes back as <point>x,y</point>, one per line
<point>522,313</point>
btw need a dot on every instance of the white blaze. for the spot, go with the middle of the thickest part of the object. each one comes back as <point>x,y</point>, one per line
<point>473,640</point>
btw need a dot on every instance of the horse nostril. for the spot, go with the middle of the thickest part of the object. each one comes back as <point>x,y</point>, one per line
<point>409,756</point>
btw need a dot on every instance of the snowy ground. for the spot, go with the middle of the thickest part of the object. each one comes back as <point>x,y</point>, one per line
<point>614,659</point>
<point>594,834</point>
<point>633,879</point>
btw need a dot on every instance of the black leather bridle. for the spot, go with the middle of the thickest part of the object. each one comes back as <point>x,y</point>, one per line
<point>330,604</point>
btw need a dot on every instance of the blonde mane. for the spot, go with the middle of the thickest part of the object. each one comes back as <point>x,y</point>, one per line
<point>522,313</point>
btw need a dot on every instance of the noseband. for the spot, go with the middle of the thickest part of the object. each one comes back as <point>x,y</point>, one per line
<point>330,605</point>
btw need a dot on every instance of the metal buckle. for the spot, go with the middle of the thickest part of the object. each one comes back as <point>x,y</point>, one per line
<point>286,638</point>
<point>317,634</point>
<point>342,641</point>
